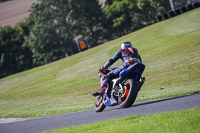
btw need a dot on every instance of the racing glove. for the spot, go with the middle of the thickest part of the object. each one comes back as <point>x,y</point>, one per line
<point>101,69</point>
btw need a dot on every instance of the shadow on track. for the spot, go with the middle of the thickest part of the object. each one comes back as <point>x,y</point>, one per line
<point>148,102</point>
<point>161,100</point>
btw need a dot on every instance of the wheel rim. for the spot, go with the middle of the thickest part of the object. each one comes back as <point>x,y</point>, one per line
<point>98,101</point>
<point>127,86</point>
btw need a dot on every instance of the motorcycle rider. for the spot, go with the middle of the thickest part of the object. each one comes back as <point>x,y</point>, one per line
<point>128,55</point>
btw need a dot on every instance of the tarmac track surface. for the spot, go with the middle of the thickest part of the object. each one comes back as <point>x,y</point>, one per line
<point>90,116</point>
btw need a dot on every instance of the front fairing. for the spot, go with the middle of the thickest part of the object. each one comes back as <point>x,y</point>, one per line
<point>110,101</point>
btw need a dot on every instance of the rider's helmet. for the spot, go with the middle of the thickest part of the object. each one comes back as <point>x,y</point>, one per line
<point>127,46</point>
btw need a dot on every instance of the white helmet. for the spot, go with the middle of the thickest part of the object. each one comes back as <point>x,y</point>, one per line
<point>126,45</point>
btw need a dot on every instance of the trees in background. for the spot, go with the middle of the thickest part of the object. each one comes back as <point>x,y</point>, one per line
<point>55,24</point>
<point>14,56</point>
<point>49,32</point>
<point>88,18</point>
<point>130,15</point>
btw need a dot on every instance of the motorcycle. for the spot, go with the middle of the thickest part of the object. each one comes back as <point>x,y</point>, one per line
<point>126,91</point>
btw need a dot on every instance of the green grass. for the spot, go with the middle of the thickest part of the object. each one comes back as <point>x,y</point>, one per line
<point>187,121</point>
<point>170,51</point>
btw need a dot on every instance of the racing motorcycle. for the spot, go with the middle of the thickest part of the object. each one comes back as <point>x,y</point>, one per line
<point>126,91</point>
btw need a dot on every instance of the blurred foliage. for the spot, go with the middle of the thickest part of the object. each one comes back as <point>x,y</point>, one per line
<point>14,57</point>
<point>88,18</point>
<point>51,34</point>
<point>50,31</point>
<point>131,15</point>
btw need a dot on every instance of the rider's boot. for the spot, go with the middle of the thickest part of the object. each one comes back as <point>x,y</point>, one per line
<point>101,91</point>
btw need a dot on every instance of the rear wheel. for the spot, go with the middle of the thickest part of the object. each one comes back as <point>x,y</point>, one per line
<point>99,104</point>
<point>130,93</point>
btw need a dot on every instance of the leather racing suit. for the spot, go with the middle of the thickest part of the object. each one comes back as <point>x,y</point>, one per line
<point>128,56</point>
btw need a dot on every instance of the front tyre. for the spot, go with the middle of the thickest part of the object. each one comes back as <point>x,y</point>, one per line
<point>99,104</point>
<point>130,93</point>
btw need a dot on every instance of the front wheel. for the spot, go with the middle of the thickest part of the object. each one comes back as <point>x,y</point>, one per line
<point>130,93</point>
<point>99,104</point>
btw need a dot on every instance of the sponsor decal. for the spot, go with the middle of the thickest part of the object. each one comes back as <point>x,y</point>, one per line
<point>112,101</point>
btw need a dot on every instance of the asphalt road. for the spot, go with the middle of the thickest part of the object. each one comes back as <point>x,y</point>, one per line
<point>90,116</point>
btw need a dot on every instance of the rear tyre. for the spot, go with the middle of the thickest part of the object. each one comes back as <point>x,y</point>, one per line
<point>99,104</point>
<point>130,93</point>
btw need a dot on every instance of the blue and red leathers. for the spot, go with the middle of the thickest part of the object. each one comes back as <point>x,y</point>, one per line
<point>129,57</point>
